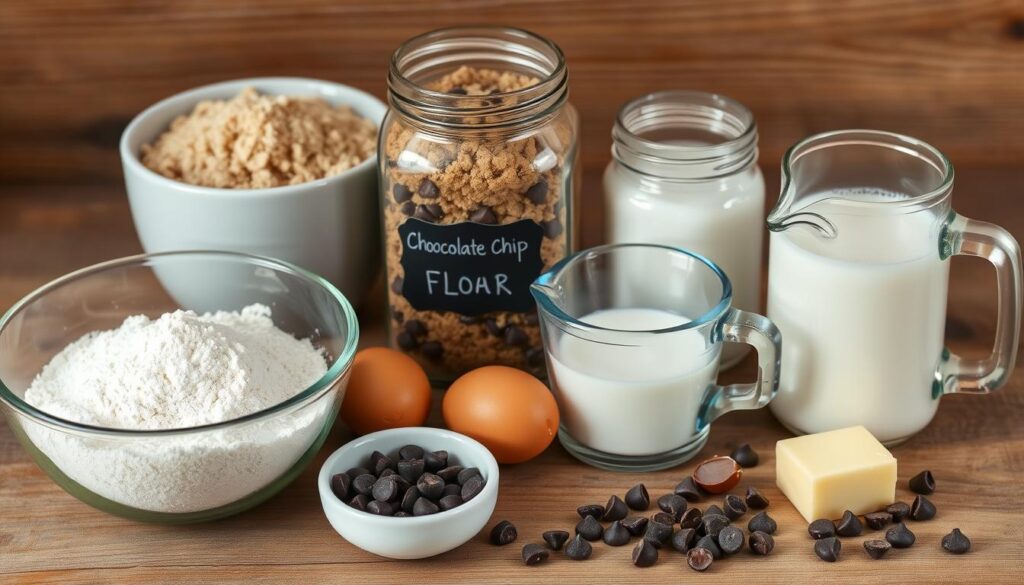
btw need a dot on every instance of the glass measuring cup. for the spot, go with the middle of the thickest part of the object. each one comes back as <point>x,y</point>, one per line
<point>858,277</point>
<point>633,336</point>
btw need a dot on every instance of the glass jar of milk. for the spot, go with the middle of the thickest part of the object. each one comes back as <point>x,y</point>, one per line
<point>684,173</point>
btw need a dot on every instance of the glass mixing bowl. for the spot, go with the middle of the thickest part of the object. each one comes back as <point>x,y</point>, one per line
<point>188,474</point>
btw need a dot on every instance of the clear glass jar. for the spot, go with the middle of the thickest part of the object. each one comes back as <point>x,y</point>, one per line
<point>684,173</point>
<point>477,161</point>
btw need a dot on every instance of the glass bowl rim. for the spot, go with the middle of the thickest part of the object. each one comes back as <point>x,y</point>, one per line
<point>310,394</point>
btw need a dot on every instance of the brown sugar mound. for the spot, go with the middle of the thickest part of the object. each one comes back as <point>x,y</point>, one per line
<point>255,141</point>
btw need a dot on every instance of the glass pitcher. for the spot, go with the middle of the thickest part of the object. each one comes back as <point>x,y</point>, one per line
<point>858,275</point>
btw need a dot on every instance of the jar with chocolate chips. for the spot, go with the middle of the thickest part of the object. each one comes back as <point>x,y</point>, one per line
<point>478,164</point>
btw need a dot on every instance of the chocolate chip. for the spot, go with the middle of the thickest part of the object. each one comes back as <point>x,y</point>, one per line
<point>457,91</point>
<point>923,483</point>
<point>376,457</point>
<point>535,356</point>
<point>386,472</point>
<point>424,507</point>
<point>428,189</point>
<point>657,532</point>
<point>761,543</point>
<point>637,497</point>
<point>555,538</point>
<point>364,484</point>
<point>664,518</point>
<point>876,548</point>
<point>514,336</point>
<point>699,559</point>
<point>483,215</point>
<point>730,540</point>
<point>877,520</point>
<point>379,508</point>
<point>899,511</point>
<point>595,510</point>
<point>422,212</point>
<point>385,490</point>
<point>450,474</point>
<point>900,536</point>
<point>401,514</point>
<point>432,350</point>
<point>578,549</point>
<point>503,533</point>
<point>406,341</point>
<point>397,315</point>
<point>922,509</point>
<point>396,285</point>
<point>466,474</point>
<point>709,543</point>
<point>411,469</point>
<point>616,534</point>
<point>821,528</point>
<point>756,499</point>
<point>673,505</point>
<point>359,502</point>
<point>615,509</point>
<point>589,528</point>
<point>538,192</point>
<point>340,485</point>
<point>849,525</point>
<point>409,499</point>
<point>956,542</point>
<point>416,328</point>
<point>452,489</point>
<point>645,554</point>
<point>636,525</point>
<point>712,510</point>
<point>745,455</point>
<point>734,507</point>
<point>691,518</point>
<point>712,524</point>
<point>493,328</point>
<point>449,501</point>
<point>435,461</point>
<point>828,549</point>
<point>430,486</point>
<point>684,539</point>
<point>552,228</point>
<point>401,193</point>
<point>356,472</point>
<point>472,488</point>
<point>408,208</point>
<point>762,522</point>
<point>534,554</point>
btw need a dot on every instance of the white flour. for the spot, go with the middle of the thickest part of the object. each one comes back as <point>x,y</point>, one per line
<point>180,370</point>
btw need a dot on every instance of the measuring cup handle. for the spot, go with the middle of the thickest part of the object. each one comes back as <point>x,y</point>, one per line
<point>966,237</point>
<point>752,329</point>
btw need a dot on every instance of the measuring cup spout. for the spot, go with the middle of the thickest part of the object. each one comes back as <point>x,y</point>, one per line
<point>544,293</point>
<point>783,216</point>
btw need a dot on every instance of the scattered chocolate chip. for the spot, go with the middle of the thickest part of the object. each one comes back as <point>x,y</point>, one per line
<point>435,461</point>
<point>684,539</point>
<point>688,490</point>
<point>450,474</point>
<point>578,549</point>
<point>712,524</point>
<point>428,189</point>
<point>340,485</point>
<point>730,540</point>
<point>734,507</point>
<point>616,534</point>
<point>364,484</point>
<point>515,336</point>
<point>717,475</point>
<point>534,554</point>
<point>922,509</point>
<point>745,455</point>
<point>956,542</point>
<point>466,474</point>
<point>657,532</point>
<point>699,559</point>
<point>876,548</point>
<point>595,510</point>
<point>396,285</point>
<point>416,328</point>
<point>664,518</point>
<point>713,510</point>
<point>555,538</point>
<point>709,543</point>
<point>359,502</point>
<point>762,522</point>
<point>483,215</point>
<point>401,193</point>
<point>637,497</point>
<point>636,525</point>
<point>900,536</point>
<point>449,501</point>
<point>899,511</point>
<point>691,518</point>
<point>503,533</point>
<point>430,486</point>
<point>673,505</point>
<point>408,208</point>
<point>411,469</point>
<point>877,520</point>
<point>472,488</point>
<point>538,192</point>
<point>589,528</point>
<point>923,483</point>
<point>849,525</point>
<point>406,342</point>
<point>380,508</point>
<point>821,528</point>
<point>761,543</point>
<point>615,509</point>
<point>385,490</point>
<point>828,548</point>
<point>552,228</point>
<point>645,554</point>
<point>432,350</point>
<point>755,499</point>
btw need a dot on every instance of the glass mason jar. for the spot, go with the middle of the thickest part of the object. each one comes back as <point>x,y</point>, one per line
<point>684,173</point>
<point>477,163</point>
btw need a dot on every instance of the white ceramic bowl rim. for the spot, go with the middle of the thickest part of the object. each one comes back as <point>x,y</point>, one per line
<point>195,95</point>
<point>366,441</point>
<point>314,392</point>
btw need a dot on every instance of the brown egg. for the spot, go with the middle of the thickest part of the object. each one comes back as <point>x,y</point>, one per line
<point>387,389</point>
<point>512,413</point>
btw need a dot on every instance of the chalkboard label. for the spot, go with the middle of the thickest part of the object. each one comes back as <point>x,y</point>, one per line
<point>470,268</point>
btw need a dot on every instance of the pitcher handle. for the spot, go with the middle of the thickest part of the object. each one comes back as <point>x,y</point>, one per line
<point>753,329</point>
<point>967,237</point>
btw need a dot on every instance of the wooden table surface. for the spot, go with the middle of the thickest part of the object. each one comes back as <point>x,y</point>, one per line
<point>949,72</point>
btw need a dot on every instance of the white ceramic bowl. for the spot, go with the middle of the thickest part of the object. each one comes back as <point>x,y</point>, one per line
<point>329,226</point>
<point>413,537</point>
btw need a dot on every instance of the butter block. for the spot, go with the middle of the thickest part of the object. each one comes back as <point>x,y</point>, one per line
<point>825,474</point>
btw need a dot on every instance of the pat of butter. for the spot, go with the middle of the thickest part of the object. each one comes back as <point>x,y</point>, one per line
<point>825,474</point>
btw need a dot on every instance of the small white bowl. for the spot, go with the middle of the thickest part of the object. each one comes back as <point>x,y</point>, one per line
<point>419,536</point>
<point>329,226</point>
